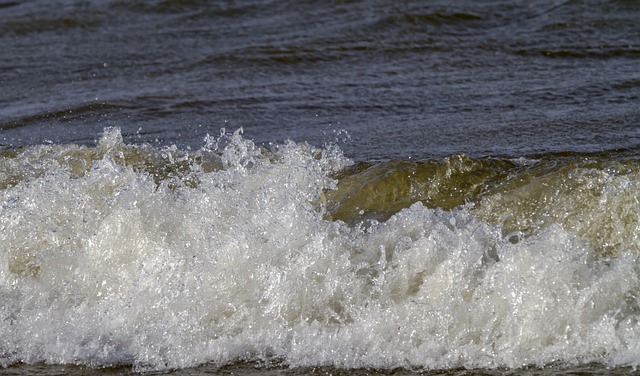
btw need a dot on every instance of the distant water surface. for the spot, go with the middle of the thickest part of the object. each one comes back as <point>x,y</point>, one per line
<point>405,79</point>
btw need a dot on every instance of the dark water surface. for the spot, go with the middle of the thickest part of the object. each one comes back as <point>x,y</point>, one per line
<point>260,369</point>
<point>460,196</point>
<point>405,79</point>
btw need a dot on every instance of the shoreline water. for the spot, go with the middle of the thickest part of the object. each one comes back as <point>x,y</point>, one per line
<point>249,369</point>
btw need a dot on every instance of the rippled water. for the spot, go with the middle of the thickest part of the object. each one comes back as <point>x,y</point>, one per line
<point>399,187</point>
<point>404,79</point>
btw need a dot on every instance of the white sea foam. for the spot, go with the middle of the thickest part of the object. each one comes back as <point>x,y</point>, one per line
<point>110,267</point>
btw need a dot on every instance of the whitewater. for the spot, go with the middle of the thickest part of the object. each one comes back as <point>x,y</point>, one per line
<point>160,258</point>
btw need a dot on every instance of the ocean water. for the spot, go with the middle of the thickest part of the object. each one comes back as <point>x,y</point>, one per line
<point>341,187</point>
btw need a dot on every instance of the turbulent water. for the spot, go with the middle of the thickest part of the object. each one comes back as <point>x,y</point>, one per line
<point>160,258</point>
<point>438,187</point>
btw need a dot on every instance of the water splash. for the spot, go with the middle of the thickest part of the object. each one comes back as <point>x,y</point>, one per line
<point>166,259</point>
